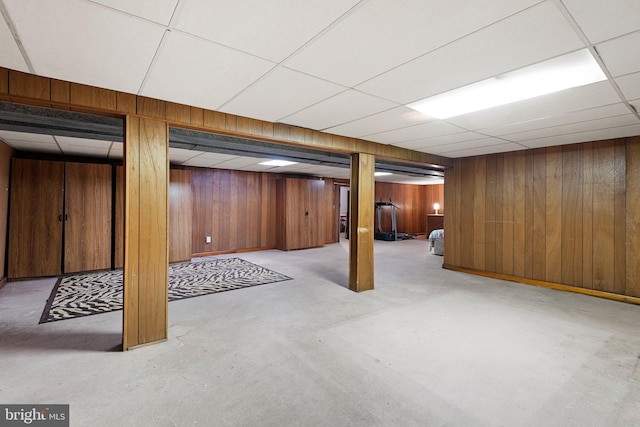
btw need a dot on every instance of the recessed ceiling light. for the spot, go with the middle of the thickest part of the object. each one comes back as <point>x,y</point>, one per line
<point>564,72</point>
<point>382,173</point>
<point>278,163</point>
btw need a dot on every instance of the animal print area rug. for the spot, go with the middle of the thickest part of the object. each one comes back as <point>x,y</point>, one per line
<point>100,292</point>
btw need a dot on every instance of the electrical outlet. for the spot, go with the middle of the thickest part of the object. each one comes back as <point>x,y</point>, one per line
<point>207,239</point>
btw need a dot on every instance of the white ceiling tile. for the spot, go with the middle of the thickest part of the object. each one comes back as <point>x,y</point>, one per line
<point>180,154</point>
<point>38,147</point>
<point>605,123</point>
<point>629,85</point>
<point>268,29</point>
<point>238,162</point>
<point>533,35</point>
<point>8,135</point>
<point>442,140</point>
<point>621,55</point>
<point>369,42</point>
<point>196,72</point>
<point>580,98</point>
<point>159,11</point>
<point>602,20</point>
<point>598,135</point>
<point>418,132</point>
<point>198,161</point>
<point>341,108</point>
<point>74,150</point>
<point>395,118</point>
<point>595,113</point>
<point>466,145</point>
<point>66,141</point>
<point>500,148</point>
<point>10,55</point>
<point>267,99</point>
<point>80,41</point>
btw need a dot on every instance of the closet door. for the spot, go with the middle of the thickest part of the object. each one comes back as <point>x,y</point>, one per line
<point>35,227</point>
<point>87,232</point>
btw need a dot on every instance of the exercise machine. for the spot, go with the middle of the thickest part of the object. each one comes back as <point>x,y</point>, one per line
<point>393,235</point>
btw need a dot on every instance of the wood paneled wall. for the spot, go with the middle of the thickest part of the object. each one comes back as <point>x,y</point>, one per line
<point>237,209</point>
<point>414,203</point>
<point>6,153</point>
<point>180,215</point>
<point>565,214</point>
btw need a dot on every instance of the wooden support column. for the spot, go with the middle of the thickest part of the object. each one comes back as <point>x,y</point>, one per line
<point>361,231</point>
<point>145,232</point>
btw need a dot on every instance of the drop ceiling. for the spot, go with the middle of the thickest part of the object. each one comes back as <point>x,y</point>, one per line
<point>344,67</point>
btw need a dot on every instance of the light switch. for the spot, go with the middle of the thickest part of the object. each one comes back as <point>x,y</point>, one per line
<point>207,239</point>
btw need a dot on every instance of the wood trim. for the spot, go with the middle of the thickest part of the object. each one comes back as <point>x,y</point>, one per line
<point>541,283</point>
<point>35,90</point>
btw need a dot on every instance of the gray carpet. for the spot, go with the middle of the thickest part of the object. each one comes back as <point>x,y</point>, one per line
<point>101,292</point>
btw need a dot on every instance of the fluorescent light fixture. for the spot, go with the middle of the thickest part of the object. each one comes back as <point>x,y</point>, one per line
<point>564,72</point>
<point>278,163</point>
<point>382,173</point>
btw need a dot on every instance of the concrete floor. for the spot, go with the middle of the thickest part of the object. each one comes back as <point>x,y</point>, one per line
<point>427,347</point>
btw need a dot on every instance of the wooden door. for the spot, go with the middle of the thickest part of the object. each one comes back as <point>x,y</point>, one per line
<point>314,214</point>
<point>35,231</point>
<point>87,233</point>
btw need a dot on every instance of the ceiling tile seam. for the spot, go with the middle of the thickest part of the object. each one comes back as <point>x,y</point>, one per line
<point>594,52</point>
<point>449,43</point>
<point>281,120</point>
<point>57,143</point>
<point>154,60</point>
<point>16,37</point>
<point>578,133</point>
<point>486,146</point>
<point>327,28</point>
<point>123,12</point>
<point>265,75</point>
<point>418,124</point>
<point>565,124</point>
<point>466,141</point>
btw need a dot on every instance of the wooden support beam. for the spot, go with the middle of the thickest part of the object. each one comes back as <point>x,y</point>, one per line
<point>146,229</point>
<point>361,231</point>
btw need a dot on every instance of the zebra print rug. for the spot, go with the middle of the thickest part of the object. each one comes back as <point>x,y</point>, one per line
<point>85,294</point>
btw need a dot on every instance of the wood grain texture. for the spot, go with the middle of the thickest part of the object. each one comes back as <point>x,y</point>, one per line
<point>361,226</point>
<point>603,211</point>
<point>553,214</point>
<point>539,213</point>
<point>35,231</point>
<point>153,237</point>
<point>490,213</point>
<point>29,86</point>
<point>300,213</point>
<point>573,209</point>
<point>4,81</point>
<point>467,186</point>
<point>6,153</point>
<point>197,116</point>
<point>178,113</point>
<point>499,211</point>
<point>619,218</point>
<point>131,271</point>
<point>94,97</point>
<point>118,258</point>
<point>519,217</point>
<point>60,91</point>
<point>146,232</point>
<point>632,220</point>
<point>587,215</point>
<point>572,182</point>
<point>151,107</point>
<point>87,230</point>
<point>180,215</point>
<point>126,103</point>
<point>479,201</point>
